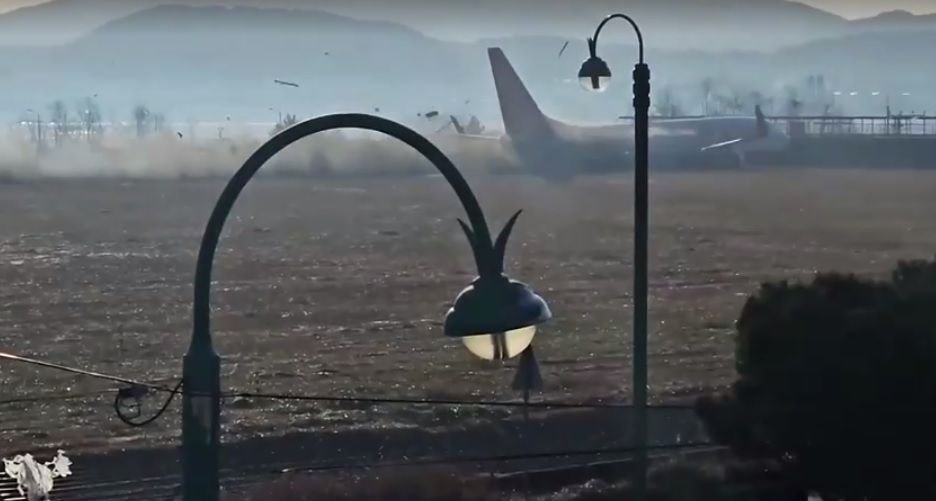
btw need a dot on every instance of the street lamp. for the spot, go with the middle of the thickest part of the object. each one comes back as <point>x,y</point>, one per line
<point>595,76</point>
<point>494,314</point>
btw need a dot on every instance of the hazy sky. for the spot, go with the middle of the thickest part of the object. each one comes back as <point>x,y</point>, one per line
<point>847,8</point>
<point>865,8</point>
<point>6,5</point>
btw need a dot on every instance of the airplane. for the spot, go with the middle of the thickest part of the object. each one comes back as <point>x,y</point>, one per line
<point>560,150</point>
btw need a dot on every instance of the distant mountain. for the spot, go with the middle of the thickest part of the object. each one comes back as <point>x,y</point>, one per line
<point>62,21</point>
<point>714,24</point>
<point>674,24</point>
<point>167,21</point>
<point>223,57</point>
<point>896,20</point>
<point>219,42</point>
<point>216,61</point>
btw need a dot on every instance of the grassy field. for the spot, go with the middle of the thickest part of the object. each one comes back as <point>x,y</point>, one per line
<point>338,288</point>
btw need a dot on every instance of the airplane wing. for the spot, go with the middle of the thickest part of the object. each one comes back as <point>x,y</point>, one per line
<point>761,132</point>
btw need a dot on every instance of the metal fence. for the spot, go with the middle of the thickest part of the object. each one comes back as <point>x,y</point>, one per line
<point>894,125</point>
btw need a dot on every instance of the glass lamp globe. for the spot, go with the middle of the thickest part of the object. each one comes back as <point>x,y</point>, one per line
<point>501,345</point>
<point>595,76</point>
<point>496,318</point>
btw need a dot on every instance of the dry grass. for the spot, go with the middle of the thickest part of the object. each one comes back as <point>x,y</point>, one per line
<point>674,480</point>
<point>337,288</point>
<point>677,479</point>
<point>403,484</point>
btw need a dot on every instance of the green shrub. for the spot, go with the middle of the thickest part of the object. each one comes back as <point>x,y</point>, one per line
<point>837,384</point>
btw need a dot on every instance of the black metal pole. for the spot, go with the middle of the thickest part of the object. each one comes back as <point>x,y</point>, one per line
<point>641,89</point>
<point>641,265</point>
<point>201,410</point>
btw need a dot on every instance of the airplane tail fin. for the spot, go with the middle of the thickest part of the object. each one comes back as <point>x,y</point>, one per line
<point>762,128</point>
<point>522,117</point>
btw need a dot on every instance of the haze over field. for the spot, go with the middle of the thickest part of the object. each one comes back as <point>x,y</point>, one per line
<point>209,62</point>
<point>204,70</point>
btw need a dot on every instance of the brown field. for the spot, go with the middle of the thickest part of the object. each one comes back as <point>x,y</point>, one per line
<point>338,288</point>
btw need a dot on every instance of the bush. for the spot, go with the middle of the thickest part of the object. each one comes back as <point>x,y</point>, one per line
<point>837,384</point>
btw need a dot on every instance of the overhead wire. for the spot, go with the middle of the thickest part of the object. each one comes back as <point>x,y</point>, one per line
<point>136,390</point>
<point>497,458</point>
<point>55,397</point>
<point>138,386</point>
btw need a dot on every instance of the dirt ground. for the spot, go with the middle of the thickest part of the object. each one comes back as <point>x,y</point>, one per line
<point>338,288</point>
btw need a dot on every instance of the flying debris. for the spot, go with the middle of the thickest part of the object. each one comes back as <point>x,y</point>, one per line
<point>458,128</point>
<point>474,127</point>
<point>432,114</point>
<point>566,44</point>
<point>179,134</point>
<point>288,84</point>
<point>34,480</point>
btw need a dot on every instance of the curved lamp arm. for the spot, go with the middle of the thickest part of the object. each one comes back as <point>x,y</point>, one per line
<point>593,41</point>
<point>486,254</point>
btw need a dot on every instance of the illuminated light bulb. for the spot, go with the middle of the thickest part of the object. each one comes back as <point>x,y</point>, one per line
<point>595,84</point>
<point>500,346</point>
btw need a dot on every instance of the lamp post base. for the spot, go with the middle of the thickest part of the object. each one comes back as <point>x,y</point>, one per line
<point>201,427</point>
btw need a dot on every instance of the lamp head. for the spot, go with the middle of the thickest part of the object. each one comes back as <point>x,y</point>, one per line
<point>594,75</point>
<point>494,305</point>
<point>496,317</point>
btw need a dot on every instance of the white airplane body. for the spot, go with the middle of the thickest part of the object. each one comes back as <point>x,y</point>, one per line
<point>557,149</point>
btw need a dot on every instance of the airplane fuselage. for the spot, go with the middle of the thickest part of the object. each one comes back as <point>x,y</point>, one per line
<point>568,149</point>
<point>553,148</point>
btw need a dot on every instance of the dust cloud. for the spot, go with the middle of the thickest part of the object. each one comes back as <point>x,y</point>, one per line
<point>330,154</point>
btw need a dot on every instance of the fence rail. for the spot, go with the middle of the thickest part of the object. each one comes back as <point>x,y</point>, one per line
<point>818,125</point>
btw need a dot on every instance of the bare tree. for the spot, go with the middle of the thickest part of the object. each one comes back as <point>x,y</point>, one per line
<point>90,114</point>
<point>140,116</point>
<point>666,105</point>
<point>159,121</point>
<point>284,123</point>
<point>707,86</point>
<point>756,98</point>
<point>733,102</point>
<point>815,84</point>
<point>59,120</point>
<point>792,103</point>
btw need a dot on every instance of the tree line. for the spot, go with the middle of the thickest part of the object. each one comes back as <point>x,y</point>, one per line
<point>811,95</point>
<point>85,122</point>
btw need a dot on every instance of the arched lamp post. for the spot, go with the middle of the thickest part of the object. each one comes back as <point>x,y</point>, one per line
<point>495,316</point>
<point>595,76</point>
